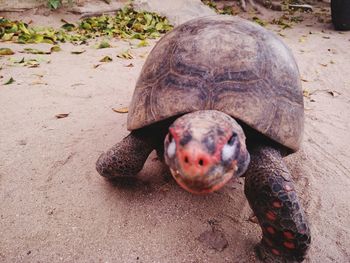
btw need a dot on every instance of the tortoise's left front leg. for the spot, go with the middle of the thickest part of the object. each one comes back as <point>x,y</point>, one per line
<point>126,158</point>
<point>270,192</point>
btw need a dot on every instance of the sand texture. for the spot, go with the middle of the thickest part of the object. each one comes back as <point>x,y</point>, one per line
<point>54,207</point>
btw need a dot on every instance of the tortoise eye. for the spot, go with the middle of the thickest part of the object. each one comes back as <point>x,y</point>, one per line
<point>232,139</point>
<point>230,148</point>
<point>170,136</point>
<point>171,150</point>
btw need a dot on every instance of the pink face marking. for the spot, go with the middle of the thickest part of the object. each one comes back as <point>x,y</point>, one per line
<point>199,152</point>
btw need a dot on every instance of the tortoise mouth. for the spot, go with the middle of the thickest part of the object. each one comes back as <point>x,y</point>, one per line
<point>203,184</point>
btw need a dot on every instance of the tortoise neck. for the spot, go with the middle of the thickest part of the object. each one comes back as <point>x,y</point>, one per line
<point>256,139</point>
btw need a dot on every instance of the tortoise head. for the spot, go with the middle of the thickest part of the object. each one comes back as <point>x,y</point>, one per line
<point>204,150</point>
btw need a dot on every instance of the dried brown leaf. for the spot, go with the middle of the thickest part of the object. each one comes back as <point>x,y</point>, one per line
<point>121,110</point>
<point>106,59</point>
<point>61,115</point>
<point>334,93</point>
<point>38,82</point>
<point>78,52</point>
<point>306,93</point>
<point>126,55</point>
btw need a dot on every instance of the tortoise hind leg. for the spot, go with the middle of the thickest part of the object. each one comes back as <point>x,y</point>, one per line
<point>127,157</point>
<point>270,192</point>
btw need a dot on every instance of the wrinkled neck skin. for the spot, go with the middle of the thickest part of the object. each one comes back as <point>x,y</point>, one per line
<point>204,150</point>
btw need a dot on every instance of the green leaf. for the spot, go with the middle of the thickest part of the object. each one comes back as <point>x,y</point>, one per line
<point>22,27</point>
<point>54,4</point>
<point>86,26</point>
<point>10,81</point>
<point>148,18</point>
<point>55,49</point>
<point>37,38</point>
<point>160,26</point>
<point>6,51</point>
<point>142,43</point>
<point>138,36</point>
<point>13,29</point>
<point>7,36</point>
<point>103,44</point>
<point>154,35</point>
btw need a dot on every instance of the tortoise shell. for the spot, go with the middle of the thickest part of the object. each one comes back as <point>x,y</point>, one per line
<point>222,63</point>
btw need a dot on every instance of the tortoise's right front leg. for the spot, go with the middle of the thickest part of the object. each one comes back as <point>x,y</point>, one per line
<point>127,157</point>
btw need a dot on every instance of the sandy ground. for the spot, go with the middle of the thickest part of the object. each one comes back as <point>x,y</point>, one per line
<point>56,208</point>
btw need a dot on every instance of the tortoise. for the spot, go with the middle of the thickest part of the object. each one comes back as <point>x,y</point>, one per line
<point>220,97</point>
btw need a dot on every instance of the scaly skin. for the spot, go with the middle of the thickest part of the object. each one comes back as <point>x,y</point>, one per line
<point>270,192</point>
<point>127,157</point>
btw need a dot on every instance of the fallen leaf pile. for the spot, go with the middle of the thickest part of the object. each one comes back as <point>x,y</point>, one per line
<point>20,32</point>
<point>287,20</point>
<point>225,10</point>
<point>291,16</point>
<point>126,23</point>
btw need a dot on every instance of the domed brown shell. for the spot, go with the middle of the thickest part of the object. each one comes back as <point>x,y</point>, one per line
<point>222,63</point>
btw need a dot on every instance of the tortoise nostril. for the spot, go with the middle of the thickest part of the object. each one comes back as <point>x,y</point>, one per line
<point>196,160</point>
<point>186,159</point>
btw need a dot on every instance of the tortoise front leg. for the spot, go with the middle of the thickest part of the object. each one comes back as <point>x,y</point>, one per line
<point>127,157</point>
<point>270,192</point>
